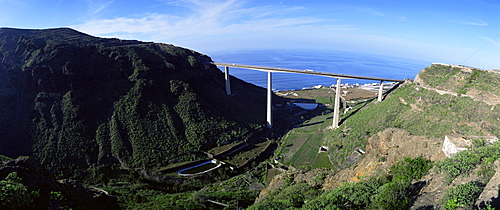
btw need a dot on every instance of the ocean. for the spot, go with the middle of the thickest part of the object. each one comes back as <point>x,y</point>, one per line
<point>351,63</point>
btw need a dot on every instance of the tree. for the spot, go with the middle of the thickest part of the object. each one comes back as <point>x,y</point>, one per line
<point>13,194</point>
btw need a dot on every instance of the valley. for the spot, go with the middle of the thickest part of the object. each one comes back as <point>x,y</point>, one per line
<point>120,122</point>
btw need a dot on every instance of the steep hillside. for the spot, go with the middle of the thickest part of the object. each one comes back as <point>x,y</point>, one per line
<point>400,164</point>
<point>72,101</point>
<point>425,110</point>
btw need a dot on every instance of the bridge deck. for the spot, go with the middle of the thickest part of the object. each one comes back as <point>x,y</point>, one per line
<point>286,70</point>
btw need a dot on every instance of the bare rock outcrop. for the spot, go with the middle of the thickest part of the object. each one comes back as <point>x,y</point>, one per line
<point>490,195</point>
<point>383,150</point>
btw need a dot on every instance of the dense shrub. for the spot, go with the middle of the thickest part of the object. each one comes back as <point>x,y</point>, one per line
<point>464,161</point>
<point>410,169</point>
<point>14,194</point>
<point>393,191</point>
<point>348,196</point>
<point>393,195</point>
<point>463,195</point>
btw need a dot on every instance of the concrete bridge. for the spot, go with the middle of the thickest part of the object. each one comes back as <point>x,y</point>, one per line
<point>270,70</point>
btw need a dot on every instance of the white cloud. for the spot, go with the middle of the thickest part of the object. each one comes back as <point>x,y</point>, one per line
<point>94,7</point>
<point>97,7</point>
<point>478,22</point>
<point>208,18</point>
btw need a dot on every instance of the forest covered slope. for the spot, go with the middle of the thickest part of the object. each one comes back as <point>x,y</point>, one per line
<point>71,101</point>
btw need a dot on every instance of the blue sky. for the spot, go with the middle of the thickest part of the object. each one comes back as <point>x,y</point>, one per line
<point>446,31</point>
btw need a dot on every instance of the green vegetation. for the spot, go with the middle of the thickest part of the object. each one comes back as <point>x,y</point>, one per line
<point>462,163</point>
<point>108,101</point>
<point>390,191</point>
<point>111,113</point>
<point>3,158</point>
<point>460,80</point>
<point>293,196</point>
<point>98,110</point>
<point>410,169</point>
<point>301,146</point>
<point>463,195</point>
<point>322,161</point>
<point>349,195</point>
<point>430,114</point>
<point>395,189</point>
<point>14,194</point>
<point>134,192</point>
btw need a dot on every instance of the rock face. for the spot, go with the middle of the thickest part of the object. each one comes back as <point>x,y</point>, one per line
<point>490,195</point>
<point>71,100</point>
<point>38,188</point>
<point>383,150</point>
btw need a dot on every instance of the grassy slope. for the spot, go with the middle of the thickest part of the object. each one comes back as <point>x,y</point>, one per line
<point>422,112</point>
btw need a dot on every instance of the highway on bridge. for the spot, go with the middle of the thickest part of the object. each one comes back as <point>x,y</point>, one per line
<point>307,71</point>
<point>269,70</point>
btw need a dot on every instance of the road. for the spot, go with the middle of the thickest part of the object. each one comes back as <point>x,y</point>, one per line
<point>307,71</point>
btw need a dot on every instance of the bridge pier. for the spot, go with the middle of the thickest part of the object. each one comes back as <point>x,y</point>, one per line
<point>269,100</point>
<point>336,108</point>
<point>270,92</point>
<point>228,82</point>
<point>380,91</point>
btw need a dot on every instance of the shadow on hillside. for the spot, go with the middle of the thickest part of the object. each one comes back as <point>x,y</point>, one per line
<point>494,202</point>
<point>308,115</point>
<point>364,103</point>
<point>310,124</point>
<point>414,191</point>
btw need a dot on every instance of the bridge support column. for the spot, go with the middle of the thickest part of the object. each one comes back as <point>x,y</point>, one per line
<point>269,100</point>
<point>380,91</point>
<point>228,82</point>
<point>336,107</point>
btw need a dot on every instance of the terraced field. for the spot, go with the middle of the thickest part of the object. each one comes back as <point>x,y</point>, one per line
<point>302,145</point>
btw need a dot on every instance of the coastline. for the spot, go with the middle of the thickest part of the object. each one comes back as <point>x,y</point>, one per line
<point>349,92</point>
<point>332,61</point>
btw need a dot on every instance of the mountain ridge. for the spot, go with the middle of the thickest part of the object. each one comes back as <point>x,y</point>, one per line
<point>74,100</point>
